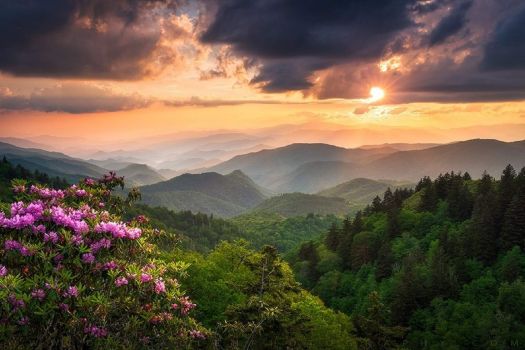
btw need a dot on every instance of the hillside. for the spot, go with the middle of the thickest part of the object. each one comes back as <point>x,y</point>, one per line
<point>267,167</point>
<point>299,204</point>
<point>51,163</point>
<point>474,156</point>
<point>210,193</point>
<point>140,175</point>
<point>360,192</point>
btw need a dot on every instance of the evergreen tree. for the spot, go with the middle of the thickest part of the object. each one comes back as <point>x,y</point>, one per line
<point>373,330</point>
<point>357,224</point>
<point>333,238</point>
<point>513,231</point>
<point>506,191</point>
<point>482,237</point>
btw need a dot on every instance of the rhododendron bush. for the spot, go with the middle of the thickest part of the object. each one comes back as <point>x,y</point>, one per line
<point>73,274</point>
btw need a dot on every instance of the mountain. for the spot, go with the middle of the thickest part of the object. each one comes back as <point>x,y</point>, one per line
<point>110,163</point>
<point>313,167</point>
<point>360,192</point>
<point>267,167</point>
<point>140,175</point>
<point>51,163</point>
<point>402,146</point>
<point>474,156</point>
<point>300,204</point>
<point>210,193</point>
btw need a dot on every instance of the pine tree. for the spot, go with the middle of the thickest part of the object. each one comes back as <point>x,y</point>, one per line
<point>333,238</point>
<point>513,231</point>
<point>357,224</point>
<point>373,331</point>
<point>482,237</point>
<point>506,191</point>
<point>377,206</point>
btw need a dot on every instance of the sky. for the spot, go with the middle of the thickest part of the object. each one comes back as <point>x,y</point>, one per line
<point>125,69</point>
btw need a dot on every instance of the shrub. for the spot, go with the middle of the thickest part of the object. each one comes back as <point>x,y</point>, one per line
<point>72,274</point>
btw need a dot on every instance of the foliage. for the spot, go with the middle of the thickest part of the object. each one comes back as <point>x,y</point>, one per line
<point>446,264</point>
<point>73,275</point>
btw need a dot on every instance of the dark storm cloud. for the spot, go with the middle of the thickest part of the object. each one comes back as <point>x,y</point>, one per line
<point>78,38</point>
<point>506,48</point>
<point>451,24</point>
<point>293,38</point>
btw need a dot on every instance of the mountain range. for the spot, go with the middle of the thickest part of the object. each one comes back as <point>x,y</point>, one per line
<point>311,168</point>
<point>336,179</point>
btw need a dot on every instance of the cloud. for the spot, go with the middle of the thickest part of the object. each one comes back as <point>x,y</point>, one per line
<point>451,24</point>
<point>506,48</point>
<point>96,39</point>
<point>70,98</point>
<point>361,110</point>
<point>294,38</point>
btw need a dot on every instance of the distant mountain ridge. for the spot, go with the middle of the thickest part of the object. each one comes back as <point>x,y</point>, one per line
<point>311,168</point>
<point>51,163</point>
<point>210,193</point>
<point>267,167</point>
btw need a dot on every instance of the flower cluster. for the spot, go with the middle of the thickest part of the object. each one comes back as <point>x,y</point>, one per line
<point>69,257</point>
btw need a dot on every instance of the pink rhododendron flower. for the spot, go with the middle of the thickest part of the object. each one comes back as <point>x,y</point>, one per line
<point>110,265</point>
<point>38,294</point>
<point>89,181</point>
<point>51,237</point>
<point>195,334</point>
<point>186,305</point>
<point>72,292</point>
<point>88,258</point>
<point>3,271</point>
<point>160,287</point>
<point>121,281</point>
<point>144,278</point>
<point>97,332</point>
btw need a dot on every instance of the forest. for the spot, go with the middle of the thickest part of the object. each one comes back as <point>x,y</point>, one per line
<point>440,266</point>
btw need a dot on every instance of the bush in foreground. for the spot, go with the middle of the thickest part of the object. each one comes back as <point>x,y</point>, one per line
<point>72,274</point>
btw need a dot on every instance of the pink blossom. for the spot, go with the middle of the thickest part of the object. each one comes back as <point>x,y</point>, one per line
<point>195,334</point>
<point>81,193</point>
<point>89,181</point>
<point>51,237</point>
<point>186,305</point>
<point>160,287</point>
<point>72,292</point>
<point>103,243</point>
<point>3,271</point>
<point>120,281</point>
<point>38,294</point>
<point>88,258</point>
<point>97,332</point>
<point>77,240</point>
<point>110,265</point>
<point>64,307</point>
<point>144,278</point>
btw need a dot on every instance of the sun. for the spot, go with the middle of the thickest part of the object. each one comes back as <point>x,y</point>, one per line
<point>376,94</point>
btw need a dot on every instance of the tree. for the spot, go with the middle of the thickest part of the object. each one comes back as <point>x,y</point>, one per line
<point>482,236</point>
<point>513,231</point>
<point>308,252</point>
<point>333,238</point>
<point>372,329</point>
